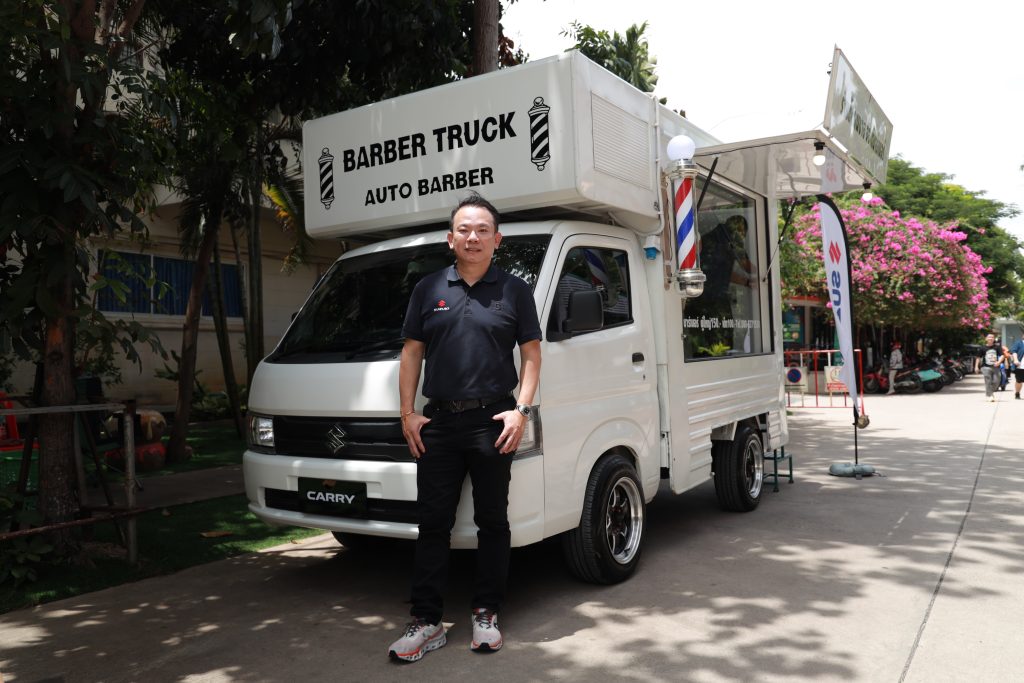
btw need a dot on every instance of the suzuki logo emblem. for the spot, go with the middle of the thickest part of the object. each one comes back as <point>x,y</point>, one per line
<point>336,438</point>
<point>833,251</point>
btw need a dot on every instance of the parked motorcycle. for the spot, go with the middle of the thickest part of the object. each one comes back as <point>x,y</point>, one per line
<point>908,381</point>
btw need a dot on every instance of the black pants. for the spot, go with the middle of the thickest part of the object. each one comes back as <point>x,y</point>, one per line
<point>457,443</point>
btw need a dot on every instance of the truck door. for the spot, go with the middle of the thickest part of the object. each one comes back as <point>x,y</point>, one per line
<point>598,387</point>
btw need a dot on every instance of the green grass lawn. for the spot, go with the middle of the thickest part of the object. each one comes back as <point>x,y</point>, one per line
<point>213,445</point>
<point>167,543</point>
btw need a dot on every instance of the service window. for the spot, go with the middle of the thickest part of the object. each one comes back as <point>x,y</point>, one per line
<point>592,268</point>
<point>730,317</point>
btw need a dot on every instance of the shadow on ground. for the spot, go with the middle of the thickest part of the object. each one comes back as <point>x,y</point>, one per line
<point>778,594</point>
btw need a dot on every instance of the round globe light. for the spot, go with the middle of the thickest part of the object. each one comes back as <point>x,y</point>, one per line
<point>681,147</point>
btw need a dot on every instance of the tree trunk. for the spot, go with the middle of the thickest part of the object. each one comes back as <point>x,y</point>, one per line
<point>189,335</point>
<point>244,298</point>
<point>220,324</point>
<point>254,345</point>
<point>485,36</point>
<point>58,489</point>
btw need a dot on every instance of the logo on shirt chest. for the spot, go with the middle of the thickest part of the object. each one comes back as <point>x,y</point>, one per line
<point>442,305</point>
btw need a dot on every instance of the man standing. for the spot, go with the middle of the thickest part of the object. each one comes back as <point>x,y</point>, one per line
<point>1017,354</point>
<point>895,365</point>
<point>465,322</point>
<point>989,371</point>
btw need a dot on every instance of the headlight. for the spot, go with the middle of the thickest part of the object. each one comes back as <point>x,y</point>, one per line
<point>261,432</point>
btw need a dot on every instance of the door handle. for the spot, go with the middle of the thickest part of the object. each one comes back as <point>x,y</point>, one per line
<point>638,357</point>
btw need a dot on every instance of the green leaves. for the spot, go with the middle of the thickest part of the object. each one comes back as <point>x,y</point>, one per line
<point>625,56</point>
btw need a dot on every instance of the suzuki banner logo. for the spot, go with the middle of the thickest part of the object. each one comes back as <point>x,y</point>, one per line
<point>834,253</point>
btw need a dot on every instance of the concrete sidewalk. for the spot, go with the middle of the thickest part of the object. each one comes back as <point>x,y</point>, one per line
<point>176,489</point>
<point>914,575</point>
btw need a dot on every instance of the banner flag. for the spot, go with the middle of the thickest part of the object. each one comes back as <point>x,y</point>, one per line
<point>837,282</point>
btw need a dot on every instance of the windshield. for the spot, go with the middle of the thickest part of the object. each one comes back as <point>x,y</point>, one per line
<point>357,310</point>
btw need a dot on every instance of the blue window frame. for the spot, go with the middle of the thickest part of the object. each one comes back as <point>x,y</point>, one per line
<point>173,279</point>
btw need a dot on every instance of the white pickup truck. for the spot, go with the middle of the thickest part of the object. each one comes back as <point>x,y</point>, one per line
<point>640,383</point>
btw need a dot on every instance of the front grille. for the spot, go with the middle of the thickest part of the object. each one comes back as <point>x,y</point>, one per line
<point>377,509</point>
<point>364,439</point>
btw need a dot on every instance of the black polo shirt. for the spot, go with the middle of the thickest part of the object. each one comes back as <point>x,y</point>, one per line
<point>470,332</point>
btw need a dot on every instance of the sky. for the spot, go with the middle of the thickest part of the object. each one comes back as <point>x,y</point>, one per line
<point>950,77</point>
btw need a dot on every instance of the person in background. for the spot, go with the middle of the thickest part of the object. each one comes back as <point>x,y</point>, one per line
<point>895,364</point>
<point>989,362</point>
<point>1017,356</point>
<point>1005,368</point>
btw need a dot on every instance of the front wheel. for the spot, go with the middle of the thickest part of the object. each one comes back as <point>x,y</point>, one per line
<point>871,385</point>
<point>739,470</point>
<point>605,547</point>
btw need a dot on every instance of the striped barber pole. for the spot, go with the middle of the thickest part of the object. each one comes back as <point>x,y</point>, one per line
<point>686,235</point>
<point>326,162</point>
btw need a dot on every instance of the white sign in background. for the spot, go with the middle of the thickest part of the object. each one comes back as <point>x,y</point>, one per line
<point>854,118</point>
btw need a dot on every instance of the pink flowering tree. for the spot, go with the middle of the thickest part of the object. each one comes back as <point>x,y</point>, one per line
<point>907,272</point>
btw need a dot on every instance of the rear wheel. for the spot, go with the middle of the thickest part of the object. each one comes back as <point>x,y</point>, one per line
<point>871,385</point>
<point>909,384</point>
<point>739,470</point>
<point>605,547</point>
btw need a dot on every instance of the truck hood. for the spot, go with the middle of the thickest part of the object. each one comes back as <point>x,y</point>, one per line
<point>325,389</point>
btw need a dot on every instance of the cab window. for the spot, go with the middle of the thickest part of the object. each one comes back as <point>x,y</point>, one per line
<point>594,269</point>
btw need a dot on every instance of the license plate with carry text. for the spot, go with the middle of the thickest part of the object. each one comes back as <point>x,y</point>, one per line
<point>330,497</point>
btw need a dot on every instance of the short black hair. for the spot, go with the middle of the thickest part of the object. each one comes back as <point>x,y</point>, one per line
<point>474,199</point>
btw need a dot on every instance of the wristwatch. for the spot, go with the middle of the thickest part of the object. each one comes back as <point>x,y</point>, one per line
<point>525,410</point>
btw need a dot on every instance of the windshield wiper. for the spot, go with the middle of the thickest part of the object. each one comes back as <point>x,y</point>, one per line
<point>392,343</point>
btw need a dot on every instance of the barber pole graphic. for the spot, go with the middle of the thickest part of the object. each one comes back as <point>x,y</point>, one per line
<point>326,178</point>
<point>540,153</point>
<point>686,235</point>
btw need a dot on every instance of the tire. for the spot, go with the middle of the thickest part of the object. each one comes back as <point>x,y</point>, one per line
<point>911,384</point>
<point>871,385</point>
<point>739,470</point>
<point>605,547</point>
<point>359,542</point>
<point>933,385</point>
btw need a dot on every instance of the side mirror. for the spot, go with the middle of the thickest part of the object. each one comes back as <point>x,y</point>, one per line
<point>586,312</point>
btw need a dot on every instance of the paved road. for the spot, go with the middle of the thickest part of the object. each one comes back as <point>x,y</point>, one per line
<point>912,576</point>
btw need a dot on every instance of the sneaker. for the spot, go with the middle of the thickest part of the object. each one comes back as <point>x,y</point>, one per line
<point>419,638</point>
<point>1017,396</point>
<point>486,636</point>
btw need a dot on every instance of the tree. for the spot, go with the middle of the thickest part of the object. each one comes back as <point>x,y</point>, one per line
<point>625,56</point>
<point>485,36</point>
<point>911,191</point>
<point>79,154</point>
<point>907,272</point>
<point>327,57</point>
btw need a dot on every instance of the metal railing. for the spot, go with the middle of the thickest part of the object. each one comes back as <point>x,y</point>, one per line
<point>127,409</point>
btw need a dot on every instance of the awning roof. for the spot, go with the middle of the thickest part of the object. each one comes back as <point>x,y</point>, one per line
<point>751,163</point>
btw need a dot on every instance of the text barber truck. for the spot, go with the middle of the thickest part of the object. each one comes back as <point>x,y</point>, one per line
<point>642,381</point>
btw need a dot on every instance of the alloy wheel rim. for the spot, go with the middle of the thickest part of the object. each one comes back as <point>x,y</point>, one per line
<point>753,468</point>
<point>624,520</point>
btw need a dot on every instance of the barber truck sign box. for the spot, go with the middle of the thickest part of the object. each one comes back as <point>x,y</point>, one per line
<point>654,385</point>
